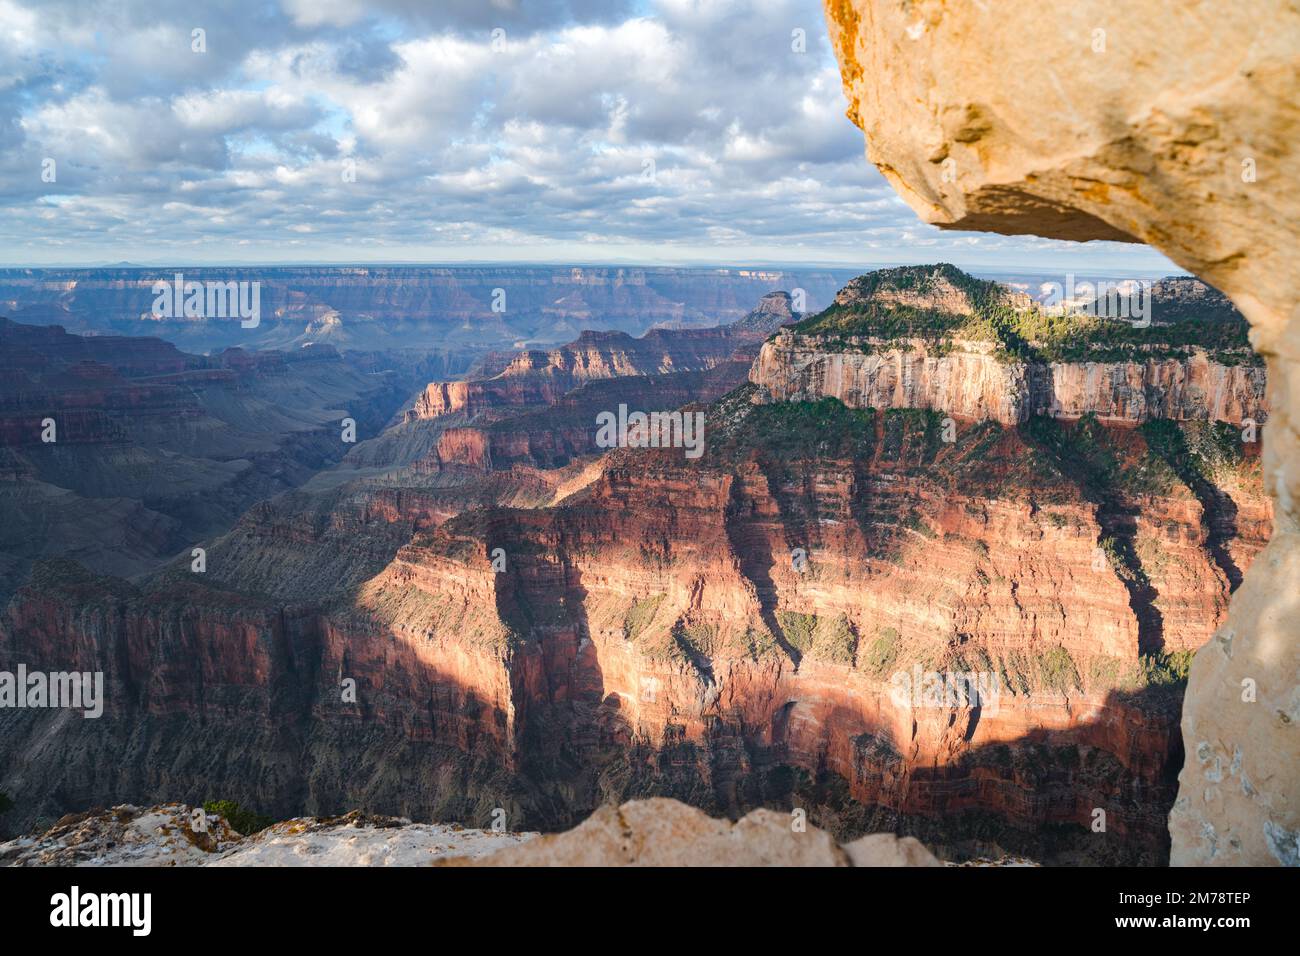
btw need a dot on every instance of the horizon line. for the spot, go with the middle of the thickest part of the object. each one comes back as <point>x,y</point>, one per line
<point>576,264</point>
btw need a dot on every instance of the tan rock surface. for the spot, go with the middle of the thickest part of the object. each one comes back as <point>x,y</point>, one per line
<point>886,849</point>
<point>663,832</point>
<point>1173,124</point>
<point>970,381</point>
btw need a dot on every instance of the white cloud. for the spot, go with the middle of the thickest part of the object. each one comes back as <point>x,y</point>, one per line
<point>545,143</point>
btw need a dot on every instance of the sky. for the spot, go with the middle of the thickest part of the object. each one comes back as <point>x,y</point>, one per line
<point>593,131</point>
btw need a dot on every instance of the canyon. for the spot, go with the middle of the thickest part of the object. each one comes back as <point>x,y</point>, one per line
<point>456,310</point>
<point>477,609</point>
<point>120,452</point>
<point>961,571</point>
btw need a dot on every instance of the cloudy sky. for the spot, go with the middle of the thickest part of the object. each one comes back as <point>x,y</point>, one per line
<point>405,130</point>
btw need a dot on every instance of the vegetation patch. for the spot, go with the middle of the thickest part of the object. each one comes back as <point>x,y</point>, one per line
<point>830,640</point>
<point>797,629</point>
<point>1016,333</point>
<point>242,821</point>
<point>882,652</point>
<point>1026,673</point>
<point>1081,451</point>
<point>834,641</point>
<point>640,614</point>
<point>1164,671</point>
<point>1195,451</point>
<point>789,430</point>
<point>1057,672</point>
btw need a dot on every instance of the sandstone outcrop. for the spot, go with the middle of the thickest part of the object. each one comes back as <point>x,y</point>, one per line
<point>969,382</point>
<point>1160,124</point>
<point>662,832</point>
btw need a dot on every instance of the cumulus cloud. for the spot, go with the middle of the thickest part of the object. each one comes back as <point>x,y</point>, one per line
<point>335,129</point>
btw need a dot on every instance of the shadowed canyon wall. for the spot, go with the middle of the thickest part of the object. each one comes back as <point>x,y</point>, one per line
<point>1177,125</point>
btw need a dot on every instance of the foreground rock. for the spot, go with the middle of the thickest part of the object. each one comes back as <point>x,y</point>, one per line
<point>1129,121</point>
<point>166,836</point>
<point>123,836</point>
<point>361,840</point>
<point>662,832</point>
<point>657,832</point>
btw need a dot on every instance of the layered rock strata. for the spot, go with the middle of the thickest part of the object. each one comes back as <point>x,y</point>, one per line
<point>728,632</point>
<point>965,379</point>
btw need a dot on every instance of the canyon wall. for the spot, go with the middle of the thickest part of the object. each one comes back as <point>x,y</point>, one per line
<point>472,611</point>
<point>967,380</point>
<point>539,408</point>
<point>543,377</point>
<point>1172,126</point>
